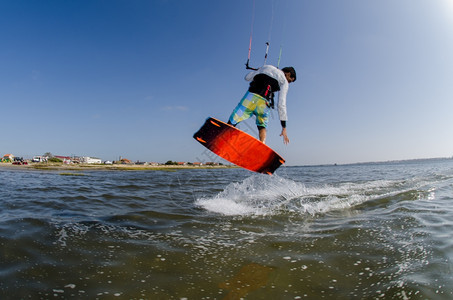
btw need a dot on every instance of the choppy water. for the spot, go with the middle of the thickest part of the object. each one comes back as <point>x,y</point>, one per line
<point>372,231</point>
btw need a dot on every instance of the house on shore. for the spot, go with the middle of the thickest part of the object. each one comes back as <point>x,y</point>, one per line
<point>65,159</point>
<point>8,158</point>
<point>126,161</point>
<point>90,160</point>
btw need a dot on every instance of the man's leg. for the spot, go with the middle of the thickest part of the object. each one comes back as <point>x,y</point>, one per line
<point>262,118</point>
<point>262,134</point>
<point>243,110</point>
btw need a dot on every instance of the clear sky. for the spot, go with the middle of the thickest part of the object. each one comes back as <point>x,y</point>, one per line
<point>138,78</point>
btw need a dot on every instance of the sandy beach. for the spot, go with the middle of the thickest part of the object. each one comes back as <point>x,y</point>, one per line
<point>114,167</point>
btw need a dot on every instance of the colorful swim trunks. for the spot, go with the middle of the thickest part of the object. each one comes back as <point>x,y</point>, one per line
<point>251,104</point>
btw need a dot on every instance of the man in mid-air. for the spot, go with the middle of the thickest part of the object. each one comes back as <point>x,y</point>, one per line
<point>259,99</point>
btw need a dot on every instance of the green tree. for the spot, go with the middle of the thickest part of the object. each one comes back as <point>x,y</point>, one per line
<point>55,160</point>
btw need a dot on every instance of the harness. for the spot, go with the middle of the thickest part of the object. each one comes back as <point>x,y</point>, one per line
<point>269,96</point>
<point>265,86</point>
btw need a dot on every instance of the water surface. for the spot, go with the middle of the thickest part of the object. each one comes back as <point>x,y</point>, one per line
<point>370,231</point>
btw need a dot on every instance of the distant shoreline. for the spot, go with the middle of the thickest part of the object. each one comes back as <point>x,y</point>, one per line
<point>114,167</point>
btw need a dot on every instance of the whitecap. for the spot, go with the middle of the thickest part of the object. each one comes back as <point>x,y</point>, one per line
<point>270,195</point>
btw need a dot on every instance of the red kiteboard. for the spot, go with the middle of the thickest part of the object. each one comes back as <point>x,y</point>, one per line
<point>238,147</point>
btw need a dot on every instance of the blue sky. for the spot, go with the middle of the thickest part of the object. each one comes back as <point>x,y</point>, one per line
<point>138,78</point>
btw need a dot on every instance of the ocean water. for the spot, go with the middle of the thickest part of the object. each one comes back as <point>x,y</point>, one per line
<point>368,231</point>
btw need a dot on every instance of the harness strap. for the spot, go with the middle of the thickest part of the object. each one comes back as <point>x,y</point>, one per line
<point>268,89</point>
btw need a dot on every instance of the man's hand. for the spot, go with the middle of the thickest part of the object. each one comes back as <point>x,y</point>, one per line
<point>285,136</point>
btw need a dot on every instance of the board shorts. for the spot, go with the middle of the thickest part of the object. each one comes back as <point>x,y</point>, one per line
<point>251,104</point>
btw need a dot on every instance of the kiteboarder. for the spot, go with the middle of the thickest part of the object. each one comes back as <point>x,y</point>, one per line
<point>259,99</point>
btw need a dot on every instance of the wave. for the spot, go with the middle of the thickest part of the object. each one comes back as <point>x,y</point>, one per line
<point>271,195</point>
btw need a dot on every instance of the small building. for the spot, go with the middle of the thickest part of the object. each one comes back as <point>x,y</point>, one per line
<point>126,161</point>
<point>90,160</point>
<point>8,158</point>
<point>197,163</point>
<point>64,159</point>
<point>75,160</point>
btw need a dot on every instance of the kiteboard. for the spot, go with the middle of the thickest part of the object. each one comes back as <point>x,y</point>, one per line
<point>238,147</point>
